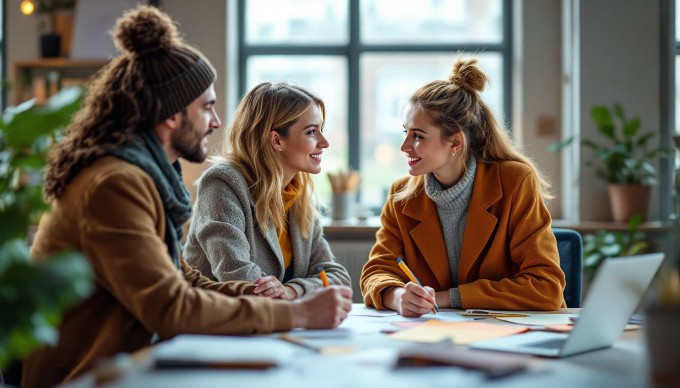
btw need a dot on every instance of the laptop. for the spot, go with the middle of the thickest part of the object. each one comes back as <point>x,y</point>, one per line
<point>614,294</point>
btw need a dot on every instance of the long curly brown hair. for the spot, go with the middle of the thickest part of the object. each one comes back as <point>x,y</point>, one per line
<point>120,100</point>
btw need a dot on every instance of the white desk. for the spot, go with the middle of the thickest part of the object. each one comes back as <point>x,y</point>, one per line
<point>371,365</point>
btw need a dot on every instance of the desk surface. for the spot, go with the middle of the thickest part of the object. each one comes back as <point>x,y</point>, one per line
<point>371,365</point>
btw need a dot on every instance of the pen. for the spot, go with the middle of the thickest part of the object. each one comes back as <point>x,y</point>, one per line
<point>327,350</point>
<point>322,275</point>
<point>413,278</point>
<point>491,314</point>
<point>299,342</point>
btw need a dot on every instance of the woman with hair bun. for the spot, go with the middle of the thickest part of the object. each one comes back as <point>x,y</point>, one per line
<point>470,221</point>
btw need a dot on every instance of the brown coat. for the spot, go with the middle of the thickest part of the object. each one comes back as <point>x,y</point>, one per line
<point>113,214</point>
<point>509,257</point>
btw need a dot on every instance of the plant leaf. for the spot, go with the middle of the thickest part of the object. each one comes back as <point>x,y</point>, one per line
<point>560,145</point>
<point>603,120</point>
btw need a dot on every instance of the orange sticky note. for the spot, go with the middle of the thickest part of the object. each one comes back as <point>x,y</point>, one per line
<point>462,333</point>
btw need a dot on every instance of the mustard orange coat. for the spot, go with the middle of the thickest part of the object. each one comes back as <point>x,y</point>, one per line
<point>509,257</point>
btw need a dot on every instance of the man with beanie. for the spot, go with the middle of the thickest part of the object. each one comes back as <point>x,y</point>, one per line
<point>118,197</point>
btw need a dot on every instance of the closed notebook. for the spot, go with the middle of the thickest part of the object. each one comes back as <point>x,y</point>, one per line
<point>207,351</point>
<point>491,364</point>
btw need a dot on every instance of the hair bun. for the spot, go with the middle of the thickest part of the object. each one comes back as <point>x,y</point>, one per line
<point>145,29</point>
<point>467,75</point>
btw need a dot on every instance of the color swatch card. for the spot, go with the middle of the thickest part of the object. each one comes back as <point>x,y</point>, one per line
<point>461,333</point>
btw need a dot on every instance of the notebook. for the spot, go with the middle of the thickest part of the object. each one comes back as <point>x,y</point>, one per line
<point>614,294</point>
<point>212,351</point>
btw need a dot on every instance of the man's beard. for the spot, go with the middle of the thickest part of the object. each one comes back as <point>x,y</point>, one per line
<point>187,145</point>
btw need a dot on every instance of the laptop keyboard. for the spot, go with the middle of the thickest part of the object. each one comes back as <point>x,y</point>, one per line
<point>549,344</point>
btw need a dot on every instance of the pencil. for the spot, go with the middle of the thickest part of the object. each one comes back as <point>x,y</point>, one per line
<point>299,342</point>
<point>413,278</point>
<point>322,275</point>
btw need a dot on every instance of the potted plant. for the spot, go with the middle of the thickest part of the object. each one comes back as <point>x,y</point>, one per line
<point>605,244</point>
<point>32,294</point>
<point>55,26</point>
<point>623,161</point>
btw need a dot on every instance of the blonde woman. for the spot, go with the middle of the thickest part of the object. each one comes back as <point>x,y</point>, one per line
<point>470,221</point>
<point>255,217</point>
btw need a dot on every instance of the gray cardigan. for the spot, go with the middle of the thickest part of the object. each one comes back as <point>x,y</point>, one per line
<point>225,241</point>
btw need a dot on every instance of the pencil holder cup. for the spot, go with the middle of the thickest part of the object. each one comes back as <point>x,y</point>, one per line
<point>342,206</point>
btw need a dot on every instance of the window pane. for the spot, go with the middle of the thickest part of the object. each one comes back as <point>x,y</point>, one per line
<point>677,94</point>
<point>431,21</point>
<point>387,82</point>
<point>325,76</point>
<point>296,22</point>
<point>677,21</point>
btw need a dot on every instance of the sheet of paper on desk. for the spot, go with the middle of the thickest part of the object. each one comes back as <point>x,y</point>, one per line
<point>444,315</point>
<point>462,333</point>
<point>540,319</point>
<point>339,332</point>
<point>190,350</point>
<point>362,310</point>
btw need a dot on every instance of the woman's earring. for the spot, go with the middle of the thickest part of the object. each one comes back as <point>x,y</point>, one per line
<point>453,153</point>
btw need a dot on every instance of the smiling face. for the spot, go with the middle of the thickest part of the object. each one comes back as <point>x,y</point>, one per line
<point>197,122</point>
<point>301,148</point>
<point>426,151</point>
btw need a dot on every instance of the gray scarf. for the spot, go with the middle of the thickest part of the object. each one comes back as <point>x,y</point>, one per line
<point>145,151</point>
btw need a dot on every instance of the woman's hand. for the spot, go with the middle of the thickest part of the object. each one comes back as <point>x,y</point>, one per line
<point>271,287</point>
<point>410,301</point>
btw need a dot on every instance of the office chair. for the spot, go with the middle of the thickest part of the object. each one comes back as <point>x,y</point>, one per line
<point>570,248</point>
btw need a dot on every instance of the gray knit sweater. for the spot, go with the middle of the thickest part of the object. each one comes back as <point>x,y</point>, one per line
<point>225,241</point>
<point>452,205</point>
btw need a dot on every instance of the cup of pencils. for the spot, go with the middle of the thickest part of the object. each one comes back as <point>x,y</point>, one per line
<point>344,185</point>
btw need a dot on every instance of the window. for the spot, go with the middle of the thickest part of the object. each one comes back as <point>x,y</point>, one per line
<point>365,58</point>
<point>677,67</point>
<point>3,73</point>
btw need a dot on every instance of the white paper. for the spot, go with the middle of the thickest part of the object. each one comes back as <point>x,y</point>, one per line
<point>362,310</point>
<point>540,319</point>
<point>221,349</point>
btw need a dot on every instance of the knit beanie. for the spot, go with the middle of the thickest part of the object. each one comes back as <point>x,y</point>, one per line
<point>176,73</point>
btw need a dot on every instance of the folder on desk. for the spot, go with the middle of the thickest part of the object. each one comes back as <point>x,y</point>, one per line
<point>208,351</point>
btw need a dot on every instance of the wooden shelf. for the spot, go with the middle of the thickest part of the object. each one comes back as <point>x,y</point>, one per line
<point>593,226</point>
<point>42,78</point>
<point>366,229</point>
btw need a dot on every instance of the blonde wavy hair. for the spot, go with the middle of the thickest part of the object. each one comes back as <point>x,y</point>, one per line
<point>455,105</point>
<point>270,107</point>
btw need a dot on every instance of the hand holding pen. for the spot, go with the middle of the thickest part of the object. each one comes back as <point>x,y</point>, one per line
<point>413,290</point>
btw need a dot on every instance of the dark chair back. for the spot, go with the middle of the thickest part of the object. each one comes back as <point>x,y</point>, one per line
<point>570,247</point>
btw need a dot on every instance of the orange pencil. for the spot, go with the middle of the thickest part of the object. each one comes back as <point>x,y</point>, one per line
<point>413,278</point>
<point>322,275</point>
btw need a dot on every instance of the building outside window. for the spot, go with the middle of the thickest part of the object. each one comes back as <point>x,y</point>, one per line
<point>365,58</point>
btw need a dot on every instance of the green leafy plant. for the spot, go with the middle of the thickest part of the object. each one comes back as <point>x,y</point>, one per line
<point>624,157</point>
<point>33,295</point>
<point>50,8</point>
<point>604,244</point>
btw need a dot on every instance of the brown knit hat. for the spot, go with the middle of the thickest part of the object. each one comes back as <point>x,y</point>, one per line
<point>175,71</point>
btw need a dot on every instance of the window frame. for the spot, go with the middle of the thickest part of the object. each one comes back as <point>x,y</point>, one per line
<point>353,50</point>
<point>3,53</point>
